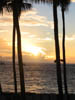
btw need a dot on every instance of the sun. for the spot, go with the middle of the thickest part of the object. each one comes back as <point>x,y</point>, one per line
<point>33,50</point>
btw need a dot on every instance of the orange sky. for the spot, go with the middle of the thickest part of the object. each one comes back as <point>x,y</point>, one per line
<point>37,34</point>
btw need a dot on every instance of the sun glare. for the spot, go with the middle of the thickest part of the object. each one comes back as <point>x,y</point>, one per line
<point>33,50</point>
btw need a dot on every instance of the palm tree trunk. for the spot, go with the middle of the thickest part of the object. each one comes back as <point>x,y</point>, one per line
<point>20,58</point>
<point>58,65</point>
<point>64,57</point>
<point>14,69</point>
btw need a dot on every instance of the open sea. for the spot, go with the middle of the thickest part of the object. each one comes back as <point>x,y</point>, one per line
<point>39,78</point>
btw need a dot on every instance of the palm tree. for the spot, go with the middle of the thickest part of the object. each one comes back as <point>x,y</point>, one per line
<point>64,5</point>
<point>17,6</point>
<point>3,4</point>
<point>13,57</point>
<point>8,8</point>
<point>58,65</point>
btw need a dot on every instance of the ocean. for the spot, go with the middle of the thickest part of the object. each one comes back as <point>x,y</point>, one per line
<point>39,78</point>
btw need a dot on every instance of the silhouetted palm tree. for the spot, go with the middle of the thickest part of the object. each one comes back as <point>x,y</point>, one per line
<point>3,4</point>
<point>59,77</point>
<point>8,8</point>
<point>13,57</point>
<point>17,6</point>
<point>64,6</point>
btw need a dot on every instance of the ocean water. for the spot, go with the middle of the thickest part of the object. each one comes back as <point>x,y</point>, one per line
<point>39,78</point>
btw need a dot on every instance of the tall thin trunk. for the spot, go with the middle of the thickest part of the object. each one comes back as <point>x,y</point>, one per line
<point>64,57</point>
<point>14,69</point>
<point>20,58</point>
<point>58,65</point>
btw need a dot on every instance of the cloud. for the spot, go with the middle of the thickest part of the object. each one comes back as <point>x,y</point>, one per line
<point>6,20</point>
<point>32,36</point>
<point>33,11</point>
<point>32,22</point>
<point>2,31</point>
<point>51,24</point>
<point>44,39</point>
<point>70,38</point>
<point>6,24</point>
<point>37,22</point>
<point>5,49</point>
<point>29,19</point>
<point>25,33</point>
<point>67,37</point>
<point>32,18</point>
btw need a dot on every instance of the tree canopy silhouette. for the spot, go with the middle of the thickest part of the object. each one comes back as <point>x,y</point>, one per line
<point>64,4</point>
<point>17,6</point>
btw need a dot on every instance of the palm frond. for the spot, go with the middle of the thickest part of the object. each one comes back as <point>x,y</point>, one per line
<point>64,4</point>
<point>19,6</point>
<point>2,5</point>
<point>27,6</point>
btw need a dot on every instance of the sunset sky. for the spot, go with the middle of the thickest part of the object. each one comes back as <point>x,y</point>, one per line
<point>37,33</point>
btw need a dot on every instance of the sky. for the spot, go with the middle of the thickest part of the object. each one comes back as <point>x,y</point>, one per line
<point>37,34</point>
